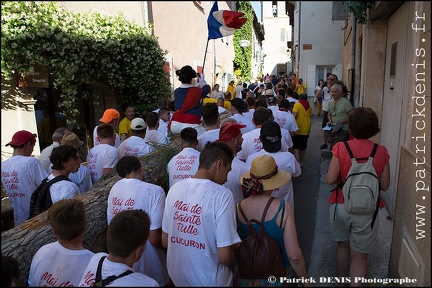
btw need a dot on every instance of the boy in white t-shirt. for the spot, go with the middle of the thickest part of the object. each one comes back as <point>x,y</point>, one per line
<point>127,236</point>
<point>65,160</point>
<point>184,164</point>
<point>152,134</point>
<point>21,174</point>
<point>62,263</point>
<point>102,158</point>
<point>131,192</point>
<point>198,226</point>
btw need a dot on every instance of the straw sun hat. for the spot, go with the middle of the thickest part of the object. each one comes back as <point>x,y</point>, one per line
<point>264,175</point>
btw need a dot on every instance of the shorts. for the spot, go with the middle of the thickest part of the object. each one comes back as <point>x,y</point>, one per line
<point>353,228</point>
<point>300,141</point>
<point>339,136</point>
<point>325,119</point>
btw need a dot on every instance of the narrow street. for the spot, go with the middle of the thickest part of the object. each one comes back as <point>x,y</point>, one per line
<point>311,211</point>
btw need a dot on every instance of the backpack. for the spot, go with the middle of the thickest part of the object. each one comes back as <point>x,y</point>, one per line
<point>259,254</point>
<point>41,198</point>
<point>99,282</point>
<point>361,186</point>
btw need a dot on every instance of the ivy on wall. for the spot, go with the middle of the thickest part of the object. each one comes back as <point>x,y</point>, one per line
<point>243,55</point>
<point>359,10</point>
<point>80,49</point>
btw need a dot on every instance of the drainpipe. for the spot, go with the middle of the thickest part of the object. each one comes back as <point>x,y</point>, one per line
<point>353,49</point>
<point>299,44</point>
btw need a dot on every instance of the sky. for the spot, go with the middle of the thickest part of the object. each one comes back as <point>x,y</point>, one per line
<point>256,5</point>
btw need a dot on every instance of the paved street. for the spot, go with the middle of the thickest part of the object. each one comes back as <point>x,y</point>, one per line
<point>311,212</point>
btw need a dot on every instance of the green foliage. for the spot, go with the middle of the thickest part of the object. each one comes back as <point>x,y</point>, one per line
<point>359,10</point>
<point>80,49</point>
<point>243,55</point>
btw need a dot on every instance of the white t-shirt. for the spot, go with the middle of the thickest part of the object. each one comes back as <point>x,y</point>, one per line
<point>241,119</point>
<point>156,136</point>
<point>96,141</point>
<point>286,120</point>
<point>134,146</point>
<point>100,157</point>
<point>183,165</point>
<point>56,266</point>
<point>208,136</point>
<point>287,138</point>
<point>326,97</point>
<point>221,109</point>
<point>273,108</point>
<point>63,189</point>
<point>252,143</point>
<point>163,127</point>
<point>82,178</point>
<point>287,162</point>
<point>249,114</point>
<point>199,216</point>
<point>291,99</point>
<point>216,94</point>
<point>238,167</point>
<point>109,268</point>
<point>44,156</point>
<point>132,194</point>
<point>20,176</point>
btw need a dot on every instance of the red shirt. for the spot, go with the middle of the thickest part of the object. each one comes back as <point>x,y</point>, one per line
<point>361,148</point>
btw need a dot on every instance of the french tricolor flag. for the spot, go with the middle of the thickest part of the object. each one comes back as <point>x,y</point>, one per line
<point>224,22</point>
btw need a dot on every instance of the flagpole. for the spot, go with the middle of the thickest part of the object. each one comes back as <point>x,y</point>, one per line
<point>205,53</point>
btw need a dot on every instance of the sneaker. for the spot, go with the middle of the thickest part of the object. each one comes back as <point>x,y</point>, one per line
<point>323,146</point>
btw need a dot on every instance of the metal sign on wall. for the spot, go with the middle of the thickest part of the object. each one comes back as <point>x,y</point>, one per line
<point>38,78</point>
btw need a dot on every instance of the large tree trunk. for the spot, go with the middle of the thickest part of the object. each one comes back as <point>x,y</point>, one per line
<point>23,241</point>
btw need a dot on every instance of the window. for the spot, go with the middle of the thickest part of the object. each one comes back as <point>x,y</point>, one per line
<point>322,73</point>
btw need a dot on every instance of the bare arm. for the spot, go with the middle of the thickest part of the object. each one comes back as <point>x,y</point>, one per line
<point>292,246</point>
<point>155,238</point>
<point>164,240</point>
<point>226,255</point>
<point>106,170</point>
<point>333,171</point>
<point>385,178</point>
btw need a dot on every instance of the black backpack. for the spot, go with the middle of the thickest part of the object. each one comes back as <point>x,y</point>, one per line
<point>41,198</point>
<point>99,282</point>
<point>259,254</point>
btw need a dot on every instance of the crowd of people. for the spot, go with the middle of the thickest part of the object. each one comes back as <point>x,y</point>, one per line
<point>190,234</point>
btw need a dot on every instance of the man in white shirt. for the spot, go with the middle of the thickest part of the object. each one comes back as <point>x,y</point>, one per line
<point>136,145</point>
<point>82,177</point>
<point>65,160</point>
<point>21,174</point>
<point>152,134</point>
<point>237,110</point>
<point>230,134</point>
<point>184,164</point>
<point>45,153</point>
<point>211,118</point>
<point>131,192</point>
<point>199,226</point>
<point>102,158</point>
<point>110,116</point>
<point>65,259</point>
<point>251,140</point>
<point>271,139</point>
